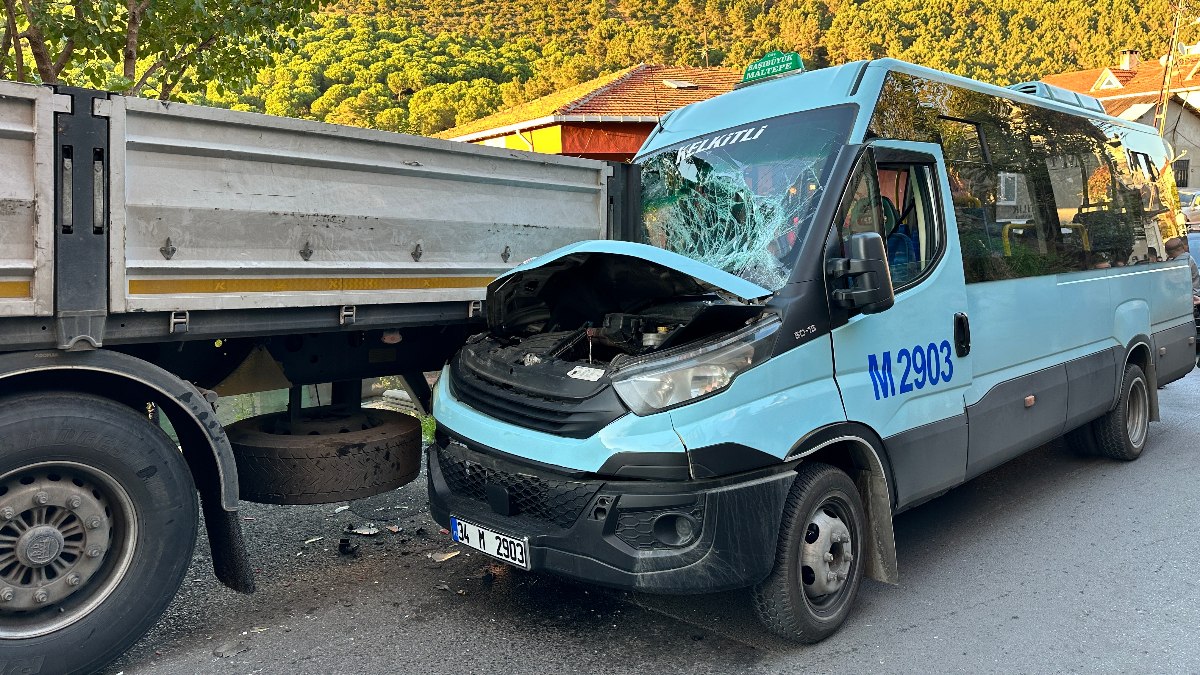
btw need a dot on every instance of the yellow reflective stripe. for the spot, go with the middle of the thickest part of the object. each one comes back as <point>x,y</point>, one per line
<point>184,286</point>
<point>15,289</point>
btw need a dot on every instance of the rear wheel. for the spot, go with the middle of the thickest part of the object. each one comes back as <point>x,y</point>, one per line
<point>1122,432</point>
<point>817,567</point>
<point>98,518</point>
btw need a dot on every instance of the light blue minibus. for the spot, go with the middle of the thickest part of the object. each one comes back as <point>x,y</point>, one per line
<point>850,291</point>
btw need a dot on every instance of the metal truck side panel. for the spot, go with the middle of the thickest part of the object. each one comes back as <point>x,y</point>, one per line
<point>27,198</point>
<point>215,209</point>
<point>653,435</point>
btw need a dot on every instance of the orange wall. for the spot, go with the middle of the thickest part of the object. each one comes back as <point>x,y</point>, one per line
<point>612,141</point>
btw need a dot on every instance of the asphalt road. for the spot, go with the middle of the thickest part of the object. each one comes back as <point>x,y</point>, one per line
<point>1049,563</point>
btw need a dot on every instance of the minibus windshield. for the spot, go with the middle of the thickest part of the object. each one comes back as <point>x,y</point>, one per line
<point>743,199</point>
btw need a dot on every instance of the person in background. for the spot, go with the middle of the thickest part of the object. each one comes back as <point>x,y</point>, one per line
<point>1177,249</point>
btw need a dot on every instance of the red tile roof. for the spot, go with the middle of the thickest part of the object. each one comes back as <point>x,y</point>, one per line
<point>1147,79</point>
<point>1116,106</point>
<point>639,91</point>
<point>1080,81</point>
<point>642,91</point>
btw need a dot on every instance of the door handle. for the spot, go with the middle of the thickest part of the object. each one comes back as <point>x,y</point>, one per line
<point>962,335</point>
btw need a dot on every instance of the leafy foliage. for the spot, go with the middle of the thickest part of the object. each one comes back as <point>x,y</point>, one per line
<point>163,46</point>
<point>427,65</point>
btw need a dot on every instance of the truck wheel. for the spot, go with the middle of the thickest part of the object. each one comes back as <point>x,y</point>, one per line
<point>325,457</point>
<point>817,568</point>
<point>1121,433</point>
<point>98,518</point>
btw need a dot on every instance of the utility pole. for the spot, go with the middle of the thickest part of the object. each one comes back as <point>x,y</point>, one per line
<point>1164,95</point>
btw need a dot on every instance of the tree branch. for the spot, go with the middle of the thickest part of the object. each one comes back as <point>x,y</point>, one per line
<point>37,45</point>
<point>69,49</point>
<point>18,52</point>
<point>136,11</point>
<point>4,45</point>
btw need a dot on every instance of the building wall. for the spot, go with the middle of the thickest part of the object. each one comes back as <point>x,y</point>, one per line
<point>1183,133</point>
<point>611,141</point>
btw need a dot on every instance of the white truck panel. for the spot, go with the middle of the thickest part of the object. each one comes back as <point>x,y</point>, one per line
<point>26,199</point>
<point>245,198</point>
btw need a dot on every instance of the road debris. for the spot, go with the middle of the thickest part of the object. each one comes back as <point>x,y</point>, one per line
<point>368,530</point>
<point>312,540</point>
<point>394,529</point>
<point>442,587</point>
<point>340,509</point>
<point>346,548</point>
<point>231,649</point>
<point>443,556</point>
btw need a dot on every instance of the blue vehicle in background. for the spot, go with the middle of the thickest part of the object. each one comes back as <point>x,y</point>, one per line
<point>851,290</point>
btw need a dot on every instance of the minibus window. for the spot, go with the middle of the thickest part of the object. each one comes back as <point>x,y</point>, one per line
<point>1036,191</point>
<point>743,199</point>
<point>896,202</point>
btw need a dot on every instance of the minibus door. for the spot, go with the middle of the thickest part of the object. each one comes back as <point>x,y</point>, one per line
<point>903,370</point>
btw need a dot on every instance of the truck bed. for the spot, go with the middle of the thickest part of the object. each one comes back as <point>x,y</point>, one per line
<point>253,223</point>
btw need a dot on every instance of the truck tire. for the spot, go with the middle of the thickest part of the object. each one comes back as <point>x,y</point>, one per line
<point>818,568</point>
<point>326,457</point>
<point>1121,433</point>
<point>98,517</point>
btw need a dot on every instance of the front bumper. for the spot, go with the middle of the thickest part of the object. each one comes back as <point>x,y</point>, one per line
<point>655,536</point>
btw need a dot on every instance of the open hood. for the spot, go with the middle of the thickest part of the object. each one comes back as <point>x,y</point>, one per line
<point>584,280</point>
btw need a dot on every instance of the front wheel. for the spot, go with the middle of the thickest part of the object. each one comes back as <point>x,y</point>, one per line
<point>817,563</point>
<point>98,517</point>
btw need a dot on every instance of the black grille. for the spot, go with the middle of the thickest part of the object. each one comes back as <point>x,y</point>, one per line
<point>571,418</point>
<point>550,500</point>
<point>636,528</point>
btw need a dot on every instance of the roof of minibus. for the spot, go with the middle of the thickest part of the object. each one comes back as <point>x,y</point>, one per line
<point>859,82</point>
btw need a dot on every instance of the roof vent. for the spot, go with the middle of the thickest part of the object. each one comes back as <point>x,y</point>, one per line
<point>1043,90</point>
<point>680,84</point>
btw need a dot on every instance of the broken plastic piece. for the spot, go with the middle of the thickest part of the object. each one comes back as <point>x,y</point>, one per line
<point>443,556</point>
<point>346,548</point>
<point>313,540</point>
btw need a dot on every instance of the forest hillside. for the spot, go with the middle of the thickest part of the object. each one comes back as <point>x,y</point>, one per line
<point>428,65</point>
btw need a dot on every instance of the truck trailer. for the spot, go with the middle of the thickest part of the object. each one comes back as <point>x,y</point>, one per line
<point>157,256</point>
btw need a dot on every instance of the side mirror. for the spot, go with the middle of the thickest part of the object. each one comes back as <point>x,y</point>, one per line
<point>870,289</point>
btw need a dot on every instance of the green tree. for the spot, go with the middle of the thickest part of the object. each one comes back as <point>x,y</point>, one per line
<point>165,46</point>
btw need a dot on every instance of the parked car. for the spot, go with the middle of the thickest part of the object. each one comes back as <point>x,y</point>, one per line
<point>1189,200</point>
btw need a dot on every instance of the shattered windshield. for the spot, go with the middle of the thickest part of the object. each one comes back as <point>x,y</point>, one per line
<point>743,199</point>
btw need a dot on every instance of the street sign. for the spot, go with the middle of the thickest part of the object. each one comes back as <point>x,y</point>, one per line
<point>774,63</point>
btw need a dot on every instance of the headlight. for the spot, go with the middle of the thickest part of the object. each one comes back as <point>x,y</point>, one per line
<point>677,376</point>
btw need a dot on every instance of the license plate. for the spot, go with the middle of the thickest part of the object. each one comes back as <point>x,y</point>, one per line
<point>509,549</point>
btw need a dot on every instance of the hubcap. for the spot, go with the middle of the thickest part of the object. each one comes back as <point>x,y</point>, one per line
<point>826,555</point>
<point>1137,417</point>
<point>66,539</point>
<point>40,546</point>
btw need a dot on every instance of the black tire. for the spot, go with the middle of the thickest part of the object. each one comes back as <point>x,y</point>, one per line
<point>1122,432</point>
<point>789,602</point>
<point>109,482</point>
<point>344,458</point>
